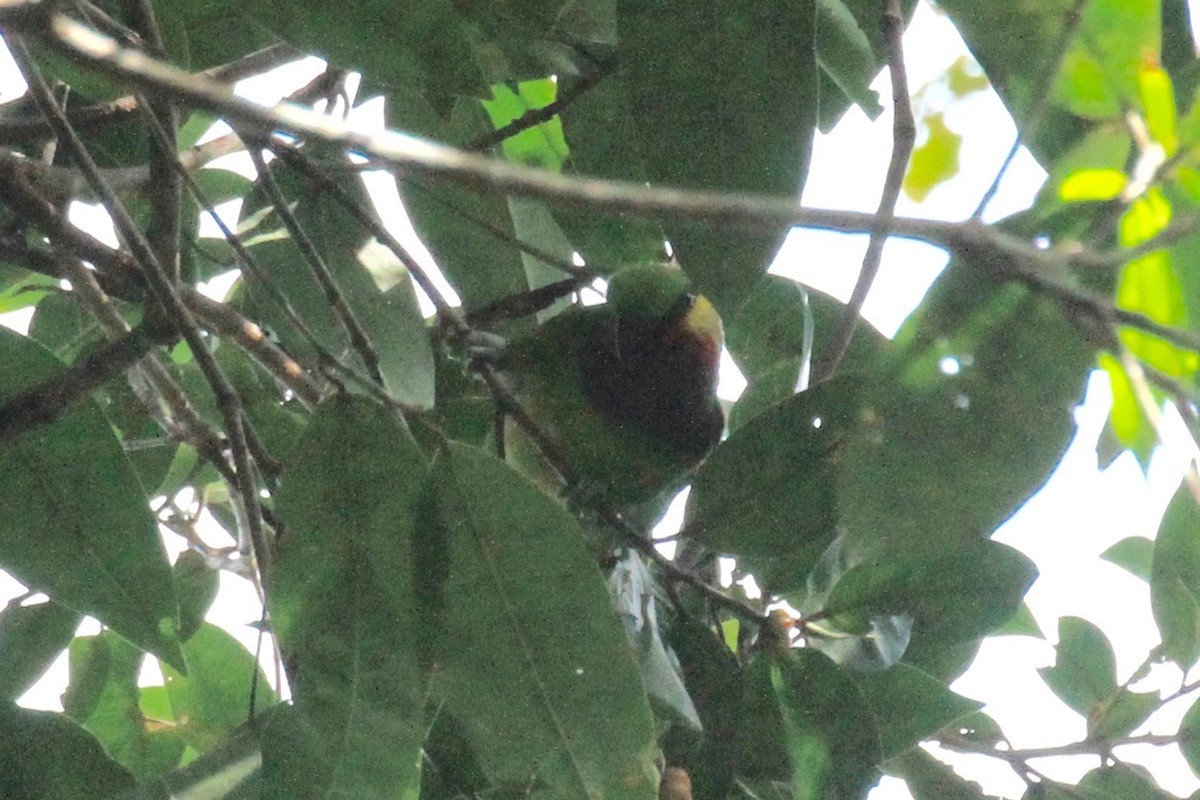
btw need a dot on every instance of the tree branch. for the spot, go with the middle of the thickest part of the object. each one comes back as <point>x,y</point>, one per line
<point>903,134</point>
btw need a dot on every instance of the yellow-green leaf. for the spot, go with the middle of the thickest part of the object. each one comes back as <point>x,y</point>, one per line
<point>933,162</point>
<point>1158,104</point>
<point>1145,218</point>
<point>1092,184</point>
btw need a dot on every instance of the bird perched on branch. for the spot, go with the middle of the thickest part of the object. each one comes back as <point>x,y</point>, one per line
<point>627,389</point>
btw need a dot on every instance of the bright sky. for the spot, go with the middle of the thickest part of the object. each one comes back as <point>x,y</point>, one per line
<point>1079,513</point>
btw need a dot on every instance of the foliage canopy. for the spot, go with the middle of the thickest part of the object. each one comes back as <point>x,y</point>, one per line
<point>448,627</point>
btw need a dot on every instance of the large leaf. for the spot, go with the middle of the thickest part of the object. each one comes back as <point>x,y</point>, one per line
<point>766,494</point>
<point>77,522</point>
<point>532,659</point>
<point>342,604</point>
<point>459,225</point>
<point>974,413</point>
<point>709,121</point>
<point>1175,580</point>
<point>714,681</point>
<point>49,757</point>
<point>31,637</point>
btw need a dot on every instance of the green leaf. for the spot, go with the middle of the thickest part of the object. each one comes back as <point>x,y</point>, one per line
<point>342,603</point>
<point>875,643</point>
<point>1092,184</point>
<point>845,55</point>
<point>1101,67</point>
<point>532,658</point>
<point>1127,422</point>
<point>543,144</point>
<point>78,525</point>
<point>49,757</point>
<point>930,779</point>
<point>602,134</point>
<point>954,598</point>
<point>1158,104</point>
<point>1134,554</point>
<point>103,697</point>
<point>1189,737</point>
<point>20,288</point>
<point>910,706</point>
<point>456,223</point>
<point>1084,675</point>
<point>833,745</point>
<point>977,414</point>
<point>1175,580</point>
<point>31,637</point>
<point>1022,623</point>
<point>420,44</point>
<point>695,107</point>
<point>213,699</point>
<point>1122,713</point>
<point>766,494</point>
<point>1121,782</point>
<point>196,586</point>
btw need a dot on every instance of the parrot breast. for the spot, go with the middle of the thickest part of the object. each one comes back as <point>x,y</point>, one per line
<point>659,378</point>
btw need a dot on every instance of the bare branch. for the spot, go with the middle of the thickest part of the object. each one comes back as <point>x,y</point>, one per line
<point>903,135</point>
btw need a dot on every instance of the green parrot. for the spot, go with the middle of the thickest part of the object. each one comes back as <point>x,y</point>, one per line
<point>627,388</point>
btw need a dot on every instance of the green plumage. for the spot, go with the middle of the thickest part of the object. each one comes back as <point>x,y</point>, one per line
<point>627,388</point>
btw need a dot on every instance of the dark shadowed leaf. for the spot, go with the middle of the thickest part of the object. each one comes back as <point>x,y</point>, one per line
<point>31,637</point>
<point>196,586</point>
<point>49,757</point>
<point>694,107</point>
<point>978,413</point>
<point>953,598</point>
<point>424,45</point>
<point>532,659</point>
<point>930,779</point>
<point>831,737</point>
<point>77,525</point>
<point>342,604</point>
<point>766,495</point>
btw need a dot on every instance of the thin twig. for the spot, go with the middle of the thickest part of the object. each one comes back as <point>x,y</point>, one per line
<point>160,285</point>
<point>903,135</point>
<point>345,315</point>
